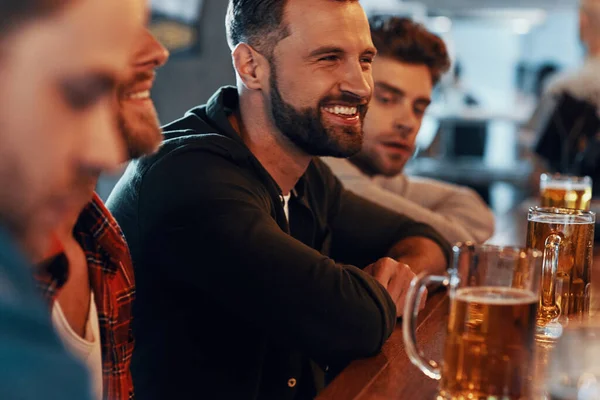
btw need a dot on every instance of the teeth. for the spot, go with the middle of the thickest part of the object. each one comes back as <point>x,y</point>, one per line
<point>140,95</point>
<point>341,110</point>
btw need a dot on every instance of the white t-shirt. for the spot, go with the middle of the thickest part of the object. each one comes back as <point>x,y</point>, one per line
<point>87,349</point>
<point>286,209</point>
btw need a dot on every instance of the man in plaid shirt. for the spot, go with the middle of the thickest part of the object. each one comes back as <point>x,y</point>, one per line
<point>87,278</point>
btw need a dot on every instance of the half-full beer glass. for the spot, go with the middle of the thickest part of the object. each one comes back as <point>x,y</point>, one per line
<point>566,191</point>
<point>566,237</point>
<point>489,347</point>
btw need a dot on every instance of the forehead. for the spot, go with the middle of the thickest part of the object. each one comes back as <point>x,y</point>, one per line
<point>413,79</point>
<point>86,33</point>
<point>315,23</point>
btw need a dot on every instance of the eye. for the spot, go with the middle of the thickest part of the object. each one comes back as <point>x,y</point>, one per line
<point>82,93</point>
<point>367,60</point>
<point>386,99</point>
<point>329,58</point>
<point>420,111</point>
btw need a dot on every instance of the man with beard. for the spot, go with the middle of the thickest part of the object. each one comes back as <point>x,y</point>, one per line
<point>88,277</point>
<point>256,271</point>
<point>409,64</point>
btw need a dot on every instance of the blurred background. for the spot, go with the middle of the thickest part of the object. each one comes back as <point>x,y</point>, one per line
<point>504,54</point>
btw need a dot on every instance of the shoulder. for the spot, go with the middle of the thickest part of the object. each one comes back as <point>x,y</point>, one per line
<point>424,183</point>
<point>343,169</point>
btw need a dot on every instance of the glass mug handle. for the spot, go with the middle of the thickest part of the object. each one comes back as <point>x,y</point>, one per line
<point>549,310</point>
<point>411,312</point>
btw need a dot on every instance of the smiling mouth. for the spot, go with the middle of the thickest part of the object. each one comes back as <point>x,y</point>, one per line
<point>141,95</point>
<point>344,114</point>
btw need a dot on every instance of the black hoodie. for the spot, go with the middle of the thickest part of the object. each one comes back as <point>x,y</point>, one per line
<point>232,301</point>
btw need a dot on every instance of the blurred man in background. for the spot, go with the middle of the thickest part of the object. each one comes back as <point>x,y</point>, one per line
<point>91,297</point>
<point>584,84</point>
<point>59,66</point>
<point>409,64</point>
<point>561,136</point>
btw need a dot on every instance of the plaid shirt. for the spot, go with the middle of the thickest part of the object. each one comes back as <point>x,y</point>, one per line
<point>112,281</point>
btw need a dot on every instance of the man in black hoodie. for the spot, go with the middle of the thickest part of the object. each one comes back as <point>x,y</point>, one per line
<point>234,226</point>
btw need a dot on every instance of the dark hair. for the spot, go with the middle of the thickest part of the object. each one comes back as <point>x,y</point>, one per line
<point>258,23</point>
<point>410,42</point>
<point>15,12</point>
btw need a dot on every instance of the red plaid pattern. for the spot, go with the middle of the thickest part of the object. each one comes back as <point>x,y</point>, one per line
<point>112,280</point>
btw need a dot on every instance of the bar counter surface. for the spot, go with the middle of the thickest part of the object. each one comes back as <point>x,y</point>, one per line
<point>390,375</point>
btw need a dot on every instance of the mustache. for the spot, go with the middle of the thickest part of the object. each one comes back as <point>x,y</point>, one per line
<point>346,98</point>
<point>136,78</point>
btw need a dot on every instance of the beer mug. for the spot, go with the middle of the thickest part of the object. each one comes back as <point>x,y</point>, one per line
<point>489,347</point>
<point>566,191</point>
<point>566,237</point>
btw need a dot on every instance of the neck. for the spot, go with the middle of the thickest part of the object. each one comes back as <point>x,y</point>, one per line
<point>64,232</point>
<point>277,154</point>
<point>363,166</point>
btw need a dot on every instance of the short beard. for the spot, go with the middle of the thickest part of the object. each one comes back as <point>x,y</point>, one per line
<point>306,130</point>
<point>143,140</point>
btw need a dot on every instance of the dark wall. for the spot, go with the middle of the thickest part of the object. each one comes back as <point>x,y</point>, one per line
<point>185,82</point>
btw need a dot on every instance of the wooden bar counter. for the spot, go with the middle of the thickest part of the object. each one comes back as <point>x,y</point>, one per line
<point>390,374</point>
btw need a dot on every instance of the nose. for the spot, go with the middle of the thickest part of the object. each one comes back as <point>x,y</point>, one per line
<point>102,147</point>
<point>405,121</point>
<point>150,53</point>
<point>357,81</point>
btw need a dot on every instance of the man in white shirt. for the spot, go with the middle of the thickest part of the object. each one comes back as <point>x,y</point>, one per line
<point>409,64</point>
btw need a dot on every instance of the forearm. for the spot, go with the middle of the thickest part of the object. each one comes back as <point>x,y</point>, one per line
<point>420,254</point>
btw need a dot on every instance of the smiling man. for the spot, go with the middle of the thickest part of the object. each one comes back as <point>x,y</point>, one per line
<point>252,277</point>
<point>87,279</point>
<point>408,66</point>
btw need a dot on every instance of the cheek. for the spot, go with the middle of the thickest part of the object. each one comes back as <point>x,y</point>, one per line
<point>59,133</point>
<point>377,122</point>
<point>303,88</point>
<point>35,131</point>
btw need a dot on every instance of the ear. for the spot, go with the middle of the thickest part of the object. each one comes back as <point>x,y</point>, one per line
<point>250,66</point>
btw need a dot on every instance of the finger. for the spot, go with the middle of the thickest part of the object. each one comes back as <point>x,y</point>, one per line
<point>400,286</point>
<point>400,281</point>
<point>383,270</point>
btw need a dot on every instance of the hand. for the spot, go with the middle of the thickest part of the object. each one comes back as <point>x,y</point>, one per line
<point>395,278</point>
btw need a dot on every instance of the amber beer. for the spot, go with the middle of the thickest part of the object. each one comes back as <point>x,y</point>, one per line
<point>567,237</point>
<point>578,198</point>
<point>489,346</point>
<point>566,191</point>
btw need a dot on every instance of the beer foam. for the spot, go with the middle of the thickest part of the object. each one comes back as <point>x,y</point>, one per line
<point>570,219</point>
<point>565,185</point>
<point>495,295</point>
